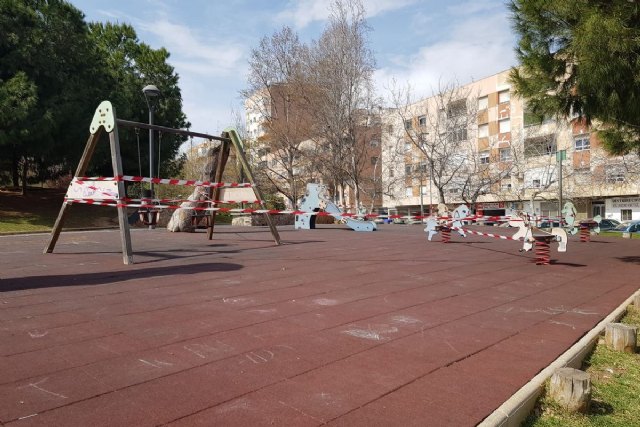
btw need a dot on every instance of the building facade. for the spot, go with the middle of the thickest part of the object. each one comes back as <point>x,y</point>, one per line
<point>478,144</point>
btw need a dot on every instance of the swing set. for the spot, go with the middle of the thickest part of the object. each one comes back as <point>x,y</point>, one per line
<point>110,191</point>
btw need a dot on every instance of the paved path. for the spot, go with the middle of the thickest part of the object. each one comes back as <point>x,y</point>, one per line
<point>333,327</point>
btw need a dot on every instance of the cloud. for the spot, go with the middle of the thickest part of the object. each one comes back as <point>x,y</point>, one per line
<point>201,54</point>
<point>479,45</point>
<point>301,13</point>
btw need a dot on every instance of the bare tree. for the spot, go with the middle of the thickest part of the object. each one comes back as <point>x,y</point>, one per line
<point>435,136</point>
<point>536,167</point>
<point>277,93</point>
<point>341,65</point>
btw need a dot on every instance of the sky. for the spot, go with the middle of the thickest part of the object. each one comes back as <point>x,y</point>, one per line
<point>415,42</point>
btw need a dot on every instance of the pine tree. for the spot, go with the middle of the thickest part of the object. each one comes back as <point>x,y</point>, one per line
<point>582,58</point>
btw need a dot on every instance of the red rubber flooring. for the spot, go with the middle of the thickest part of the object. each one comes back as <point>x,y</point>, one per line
<point>333,327</point>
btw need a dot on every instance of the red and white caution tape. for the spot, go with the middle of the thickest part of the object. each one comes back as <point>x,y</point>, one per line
<point>124,204</point>
<point>167,181</point>
<point>495,236</point>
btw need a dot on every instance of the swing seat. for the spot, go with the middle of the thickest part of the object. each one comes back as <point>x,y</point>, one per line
<point>149,216</point>
<point>198,216</point>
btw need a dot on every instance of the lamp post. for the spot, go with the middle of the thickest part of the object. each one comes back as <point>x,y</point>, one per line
<point>560,156</point>
<point>151,93</point>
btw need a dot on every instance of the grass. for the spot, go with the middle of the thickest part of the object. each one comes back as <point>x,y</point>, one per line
<point>617,234</point>
<point>39,208</point>
<point>615,382</point>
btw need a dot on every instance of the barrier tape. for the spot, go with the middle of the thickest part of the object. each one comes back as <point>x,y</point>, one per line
<point>495,236</point>
<point>122,204</point>
<point>168,181</point>
<point>174,201</point>
<point>147,203</point>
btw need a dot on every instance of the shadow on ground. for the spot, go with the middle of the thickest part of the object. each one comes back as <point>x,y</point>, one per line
<point>88,279</point>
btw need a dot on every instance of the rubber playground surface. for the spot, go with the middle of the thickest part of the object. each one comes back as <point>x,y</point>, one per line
<point>332,327</point>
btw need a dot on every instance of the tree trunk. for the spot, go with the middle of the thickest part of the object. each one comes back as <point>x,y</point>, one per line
<point>25,170</point>
<point>621,337</point>
<point>15,175</point>
<point>571,388</point>
<point>184,219</point>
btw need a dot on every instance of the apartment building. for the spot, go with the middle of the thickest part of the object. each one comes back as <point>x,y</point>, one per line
<point>479,144</point>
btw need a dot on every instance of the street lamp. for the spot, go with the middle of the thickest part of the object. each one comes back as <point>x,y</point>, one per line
<point>151,93</point>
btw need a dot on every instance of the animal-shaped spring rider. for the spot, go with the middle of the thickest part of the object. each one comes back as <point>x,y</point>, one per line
<point>569,213</point>
<point>442,224</point>
<point>530,235</point>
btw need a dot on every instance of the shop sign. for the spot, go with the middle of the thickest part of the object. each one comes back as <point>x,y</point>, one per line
<point>625,202</point>
<point>490,205</point>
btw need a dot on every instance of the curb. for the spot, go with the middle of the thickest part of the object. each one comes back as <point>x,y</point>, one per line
<point>513,412</point>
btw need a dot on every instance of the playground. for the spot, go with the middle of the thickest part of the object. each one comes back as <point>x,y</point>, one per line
<point>331,326</point>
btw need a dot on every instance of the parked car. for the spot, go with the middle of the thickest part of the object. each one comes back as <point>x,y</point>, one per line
<point>605,224</point>
<point>628,227</point>
<point>546,224</point>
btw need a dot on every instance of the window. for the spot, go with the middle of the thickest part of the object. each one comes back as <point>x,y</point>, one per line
<point>582,143</point>
<point>423,190</point>
<point>505,187</point>
<point>504,96</point>
<point>407,147</point>
<point>374,143</point>
<point>423,136</point>
<point>274,163</point>
<point>459,134</point>
<point>457,108</point>
<point>505,126</point>
<point>454,190</point>
<point>539,146</point>
<point>614,176</point>
<point>421,167</point>
<point>535,183</point>
<point>408,192</point>
<point>505,154</point>
<point>390,129</point>
<point>408,125</point>
<point>626,214</point>
<point>263,164</point>
<point>391,173</point>
<point>483,131</point>
<point>407,169</point>
<point>374,160</point>
<point>483,103</point>
<point>422,121</point>
<point>484,157</point>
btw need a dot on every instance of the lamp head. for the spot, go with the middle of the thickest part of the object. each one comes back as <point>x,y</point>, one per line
<point>151,91</point>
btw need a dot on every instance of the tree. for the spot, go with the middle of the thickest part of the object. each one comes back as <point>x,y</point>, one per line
<point>48,73</point>
<point>277,95</point>
<point>579,58</point>
<point>54,71</point>
<point>435,136</point>
<point>130,66</point>
<point>340,67</point>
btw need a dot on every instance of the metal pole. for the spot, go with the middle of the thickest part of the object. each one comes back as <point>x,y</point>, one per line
<point>431,191</point>
<point>421,192</point>
<point>560,154</point>
<point>151,194</point>
<point>151,148</point>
